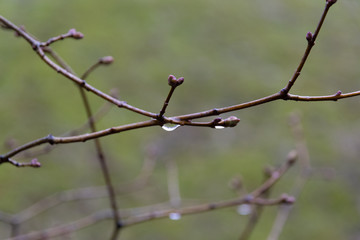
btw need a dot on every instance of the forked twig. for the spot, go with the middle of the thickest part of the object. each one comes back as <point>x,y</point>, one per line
<point>252,198</point>
<point>159,119</point>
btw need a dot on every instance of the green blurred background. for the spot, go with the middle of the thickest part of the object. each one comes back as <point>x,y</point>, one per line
<point>229,52</point>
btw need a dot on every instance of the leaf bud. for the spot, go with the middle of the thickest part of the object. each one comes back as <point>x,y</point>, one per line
<point>309,37</point>
<point>173,82</point>
<point>106,60</point>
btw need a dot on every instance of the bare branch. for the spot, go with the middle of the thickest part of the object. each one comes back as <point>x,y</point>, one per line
<point>252,198</point>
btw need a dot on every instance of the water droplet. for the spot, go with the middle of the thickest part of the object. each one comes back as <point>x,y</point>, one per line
<point>175,216</point>
<point>170,127</point>
<point>219,127</point>
<point>244,209</point>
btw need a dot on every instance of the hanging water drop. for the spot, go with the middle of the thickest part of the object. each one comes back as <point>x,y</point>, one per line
<point>175,216</point>
<point>170,127</point>
<point>244,209</point>
<point>219,127</point>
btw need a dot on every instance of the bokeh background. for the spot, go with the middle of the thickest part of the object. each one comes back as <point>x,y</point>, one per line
<point>229,52</point>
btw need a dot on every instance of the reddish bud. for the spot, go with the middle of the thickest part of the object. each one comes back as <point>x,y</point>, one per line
<point>338,93</point>
<point>180,80</point>
<point>106,60</point>
<point>309,37</point>
<point>173,82</point>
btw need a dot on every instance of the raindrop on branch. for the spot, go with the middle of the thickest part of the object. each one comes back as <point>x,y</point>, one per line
<point>244,209</point>
<point>175,216</point>
<point>170,127</point>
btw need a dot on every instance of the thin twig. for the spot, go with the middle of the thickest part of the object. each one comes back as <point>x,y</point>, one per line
<point>82,194</point>
<point>180,120</point>
<point>304,159</point>
<point>101,157</point>
<point>39,49</point>
<point>252,198</point>
<point>311,42</point>
<point>255,214</point>
<point>174,83</point>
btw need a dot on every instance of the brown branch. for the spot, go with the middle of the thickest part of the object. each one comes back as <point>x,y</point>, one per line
<point>173,83</point>
<point>102,61</point>
<point>304,159</point>
<point>338,95</point>
<point>252,198</point>
<point>80,138</point>
<point>311,42</point>
<point>256,212</point>
<point>102,111</point>
<point>33,163</point>
<point>71,34</point>
<point>98,147</point>
<point>179,120</point>
<point>82,194</point>
<point>39,49</point>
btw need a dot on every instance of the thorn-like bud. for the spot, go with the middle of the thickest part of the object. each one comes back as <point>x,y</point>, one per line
<point>173,82</point>
<point>309,37</point>
<point>75,34</point>
<point>106,60</point>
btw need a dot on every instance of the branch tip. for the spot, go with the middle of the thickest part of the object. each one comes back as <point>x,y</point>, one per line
<point>285,198</point>
<point>106,60</point>
<point>75,34</point>
<point>173,82</point>
<point>331,2</point>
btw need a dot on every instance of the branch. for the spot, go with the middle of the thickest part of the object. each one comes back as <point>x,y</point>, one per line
<point>39,49</point>
<point>311,42</point>
<point>252,198</point>
<point>160,119</point>
<point>304,159</point>
<point>87,193</point>
<point>80,138</point>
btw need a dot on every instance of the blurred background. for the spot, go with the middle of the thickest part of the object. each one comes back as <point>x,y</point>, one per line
<point>229,52</point>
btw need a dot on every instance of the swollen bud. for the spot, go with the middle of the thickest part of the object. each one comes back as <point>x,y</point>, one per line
<point>231,121</point>
<point>219,123</point>
<point>309,37</point>
<point>338,93</point>
<point>75,34</point>
<point>173,82</point>
<point>106,60</point>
